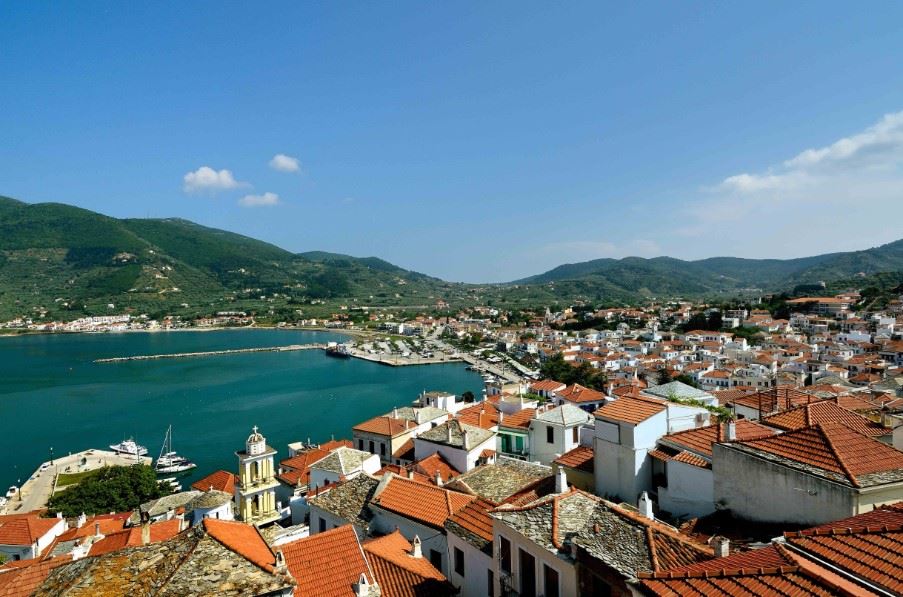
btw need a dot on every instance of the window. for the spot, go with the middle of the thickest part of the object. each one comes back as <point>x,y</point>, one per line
<point>550,435</point>
<point>504,555</point>
<point>382,449</point>
<point>550,581</point>
<point>360,445</point>
<point>436,559</point>
<point>459,562</point>
<point>576,432</point>
<point>322,525</point>
<point>372,449</point>
<point>490,583</point>
<point>527,574</point>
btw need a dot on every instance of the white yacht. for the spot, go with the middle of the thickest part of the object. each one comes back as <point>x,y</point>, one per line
<point>12,491</point>
<point>169,461</point>
<point>129,447</point>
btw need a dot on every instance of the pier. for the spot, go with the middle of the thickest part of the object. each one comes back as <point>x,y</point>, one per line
<point>212,353</point>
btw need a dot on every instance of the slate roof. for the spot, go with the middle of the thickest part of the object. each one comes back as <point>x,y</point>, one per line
<point>451,433</point>
<point>566,414</point>
<point>496,482</point>
<point>426,504</point>
<point>580,458</point>
<point>342,461</point>
<point>551,522</point>
<point>473,524</point>
<point>399,573</point>
<point>348,500</point>
<point>327,564</point>
<point>678,389</point>
<point>209,499</point>
<point>197,562</point>
<point>166,503</point>
<point>831,450</point>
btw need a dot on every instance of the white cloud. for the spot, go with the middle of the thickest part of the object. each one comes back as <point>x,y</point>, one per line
<point>285,163</point>
<point>265,200</point>
<point>206,179</point>
<point>828,198</point>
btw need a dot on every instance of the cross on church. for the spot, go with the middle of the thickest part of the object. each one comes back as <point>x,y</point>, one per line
<point>254,429</point>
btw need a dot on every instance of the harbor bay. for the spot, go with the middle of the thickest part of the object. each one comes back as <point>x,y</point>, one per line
<point>53,394</point>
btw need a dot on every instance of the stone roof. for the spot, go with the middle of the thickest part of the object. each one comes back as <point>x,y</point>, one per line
<point>497,482</point>
<point>550,522</point>
<point>451,433</point>
<point>348,500</point>
<point>420,414</point>
<point>677,389</point>
<point>209,499</point>
<point>192,564</point>
<point>567,415</point>
<point>168,502</point>
<point>473,524</point>
<point>342,461</point>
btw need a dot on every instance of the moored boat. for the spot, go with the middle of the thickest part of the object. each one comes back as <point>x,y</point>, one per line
<point>169,461</point>
<point>338,350</point>
<point>129,447</point>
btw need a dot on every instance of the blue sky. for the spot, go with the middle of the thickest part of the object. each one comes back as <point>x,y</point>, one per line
<point>472,141</point>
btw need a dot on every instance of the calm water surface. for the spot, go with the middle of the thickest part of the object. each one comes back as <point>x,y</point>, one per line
<point>52,394</point>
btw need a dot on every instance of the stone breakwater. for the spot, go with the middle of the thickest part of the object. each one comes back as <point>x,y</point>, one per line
<point>211,353</point>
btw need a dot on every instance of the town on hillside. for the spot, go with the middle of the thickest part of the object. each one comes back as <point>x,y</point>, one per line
<point>664,449</point>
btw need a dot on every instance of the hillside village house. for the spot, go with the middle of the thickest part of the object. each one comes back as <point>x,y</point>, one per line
<point>462,446</point>
<point>811,475</point>
<point>26,536</point>
<point>579,396</point>
<point>557,431</point>
<point>625,431</point>
<point>385,435</point>
<point>514,433</point>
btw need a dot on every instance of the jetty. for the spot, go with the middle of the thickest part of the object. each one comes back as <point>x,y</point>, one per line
<point>211,353</point>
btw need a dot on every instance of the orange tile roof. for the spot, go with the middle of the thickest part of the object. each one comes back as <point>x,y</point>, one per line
<point>691,459</point>
<point>426,504</point>
<point>386,425</point>
<point>474,518</point>
<point>774,399</point>
<point>484,415</point>
<point>298,466</point>
<point>327,564</point>
<point>700,440</point>
<point>580,458</point>
<point>23,579</point>
<point>887,515</point>
<point>25,530</point>
<point>220,480</point>
<point>520,419</point>
<point>772,570</point>
<point>131,537</point>
<point>399,573</point>
<point>806,415</point>
<point>631,409</point>
<point>432,464</point>
<point>578,394</point>
<point>834,448</point>
<point>243,539</point>
<point>546,385</point>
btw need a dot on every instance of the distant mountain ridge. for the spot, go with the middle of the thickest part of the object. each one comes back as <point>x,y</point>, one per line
<point>667,275</point>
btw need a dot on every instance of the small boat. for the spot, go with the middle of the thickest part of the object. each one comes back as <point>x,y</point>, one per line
<point>171,483</point>
<point>339,351</point>
<point>129,447</point>
<point>12,491</point>
<point>169,461</point>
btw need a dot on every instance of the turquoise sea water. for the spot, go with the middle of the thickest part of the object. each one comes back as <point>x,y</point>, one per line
<point>52,394</point>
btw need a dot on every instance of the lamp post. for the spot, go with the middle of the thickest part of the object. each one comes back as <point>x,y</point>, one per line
<point>51,455</point>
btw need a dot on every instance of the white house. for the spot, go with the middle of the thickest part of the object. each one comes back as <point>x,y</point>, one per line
<point>556,431</point>
<point>26,536</point>
<point>463,446</point>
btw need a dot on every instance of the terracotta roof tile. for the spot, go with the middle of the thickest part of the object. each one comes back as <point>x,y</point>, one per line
<point>520,419</point>
<point>426,504</point>
<point>432,464</point>
<point>327,564</point>
<point>399,573</point>
<point>386,425</point>
<point>473,519</point>
<point>580,458</point>
<point>27,576</point>
<point>243,539</point>
<point>220,480</point>
<point>631,409</point>
<point>25,530</point>
<point>701,439</point>
<point>483,415</point>
<point>806,415</point>
<point>578,394</point>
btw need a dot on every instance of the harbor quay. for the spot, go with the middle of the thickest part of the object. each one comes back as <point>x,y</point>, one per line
<point>35,492</point>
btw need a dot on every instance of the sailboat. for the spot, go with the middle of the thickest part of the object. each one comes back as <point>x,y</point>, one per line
<point>169,461</point>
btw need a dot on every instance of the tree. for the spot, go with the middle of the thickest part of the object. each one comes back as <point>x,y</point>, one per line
<point>109,489</point>
<point>560,370</point>
<point>663,377</point>
<point>468,396</point>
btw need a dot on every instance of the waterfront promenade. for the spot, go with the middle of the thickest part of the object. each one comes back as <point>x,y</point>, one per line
<point>35,492</point>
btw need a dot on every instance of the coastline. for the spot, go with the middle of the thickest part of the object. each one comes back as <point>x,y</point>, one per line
<point>345,332</point>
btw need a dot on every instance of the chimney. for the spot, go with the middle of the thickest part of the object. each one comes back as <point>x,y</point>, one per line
<point>280,561</point>
<point>438,478</point>
<point>722,547</point>
<point>645,506</point>
<point>410,473</point>
<point>466,439</point>
<point>361,587</point>
<point>394,412</point>
<point>96,529</point>
<point>448,432</point>
<point>145,533</point>
<point>501,417</point>
<point>561,480</point>
<point>730,431</point>
<point>80,522</point>
<point>416,551</point>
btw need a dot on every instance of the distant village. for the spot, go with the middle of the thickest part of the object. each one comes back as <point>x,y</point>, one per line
<point>624,452</point>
